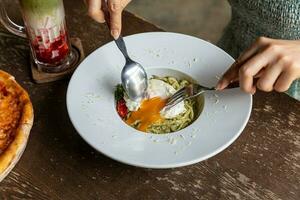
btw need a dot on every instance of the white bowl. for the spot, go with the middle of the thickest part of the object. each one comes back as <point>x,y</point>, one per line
<point>91,106</point>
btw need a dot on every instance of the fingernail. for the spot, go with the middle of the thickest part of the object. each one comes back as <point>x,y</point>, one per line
<point>115,33</point>
<point>219,86</point>
<point>253,91</point>
<point>115,6</point>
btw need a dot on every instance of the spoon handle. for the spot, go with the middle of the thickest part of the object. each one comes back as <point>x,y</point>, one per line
<point>122,46</point>
<point>119,41</point>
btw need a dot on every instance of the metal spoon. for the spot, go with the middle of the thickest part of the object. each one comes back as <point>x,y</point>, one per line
<point>133,76</point>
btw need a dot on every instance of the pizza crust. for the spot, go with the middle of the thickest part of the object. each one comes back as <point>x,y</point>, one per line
<point>10,157</point>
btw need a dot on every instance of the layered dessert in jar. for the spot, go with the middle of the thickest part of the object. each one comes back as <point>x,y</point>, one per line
<point>46,29</point>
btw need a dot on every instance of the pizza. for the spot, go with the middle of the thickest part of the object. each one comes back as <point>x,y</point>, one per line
<point>16,119</point>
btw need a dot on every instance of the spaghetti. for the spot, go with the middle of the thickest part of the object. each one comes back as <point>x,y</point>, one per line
<point>148,111</point>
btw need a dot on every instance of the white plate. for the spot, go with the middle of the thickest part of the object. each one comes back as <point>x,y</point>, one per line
<point>91,106</point>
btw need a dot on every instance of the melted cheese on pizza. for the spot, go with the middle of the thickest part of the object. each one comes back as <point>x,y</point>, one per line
<point>10,113</point>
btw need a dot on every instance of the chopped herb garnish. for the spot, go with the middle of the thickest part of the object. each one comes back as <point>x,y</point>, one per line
<point>119,93</point>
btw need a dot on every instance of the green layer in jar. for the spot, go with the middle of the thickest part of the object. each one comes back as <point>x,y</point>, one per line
<point>40,6</point>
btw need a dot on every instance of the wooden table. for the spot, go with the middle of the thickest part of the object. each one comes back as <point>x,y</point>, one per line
<point>264,163</point>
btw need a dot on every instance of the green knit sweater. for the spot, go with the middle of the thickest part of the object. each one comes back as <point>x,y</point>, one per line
<point>278,19</point>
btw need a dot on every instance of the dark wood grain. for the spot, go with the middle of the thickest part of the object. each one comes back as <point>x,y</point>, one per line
<point>264,163</point>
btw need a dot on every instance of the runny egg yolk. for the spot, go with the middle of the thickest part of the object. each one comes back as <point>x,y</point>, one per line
<point>148,113</point>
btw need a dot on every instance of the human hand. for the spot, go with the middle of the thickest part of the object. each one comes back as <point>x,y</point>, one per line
<point>115,8</point>
<point>275,64</point>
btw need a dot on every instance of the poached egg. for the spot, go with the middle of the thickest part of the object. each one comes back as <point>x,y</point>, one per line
<point>157,89</point>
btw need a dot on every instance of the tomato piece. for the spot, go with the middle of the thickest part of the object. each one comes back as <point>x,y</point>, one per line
<point>122,108</point>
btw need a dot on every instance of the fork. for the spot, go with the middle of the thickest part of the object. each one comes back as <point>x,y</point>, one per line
<point>187,92</point>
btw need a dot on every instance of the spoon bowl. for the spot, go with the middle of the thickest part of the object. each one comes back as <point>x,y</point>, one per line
<point>134,80</point>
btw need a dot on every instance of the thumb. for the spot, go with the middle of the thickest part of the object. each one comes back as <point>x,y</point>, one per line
<point>229,76</point>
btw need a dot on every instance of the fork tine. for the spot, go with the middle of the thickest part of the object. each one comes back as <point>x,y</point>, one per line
<point>174,99</point>
<point>178,93</point>
<point>186,92</point>
<point>174,103</point>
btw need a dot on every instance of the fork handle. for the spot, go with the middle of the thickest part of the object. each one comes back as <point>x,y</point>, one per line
<point>236,84</point>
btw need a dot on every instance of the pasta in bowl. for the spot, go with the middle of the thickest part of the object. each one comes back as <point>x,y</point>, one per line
<point>150,115</point>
